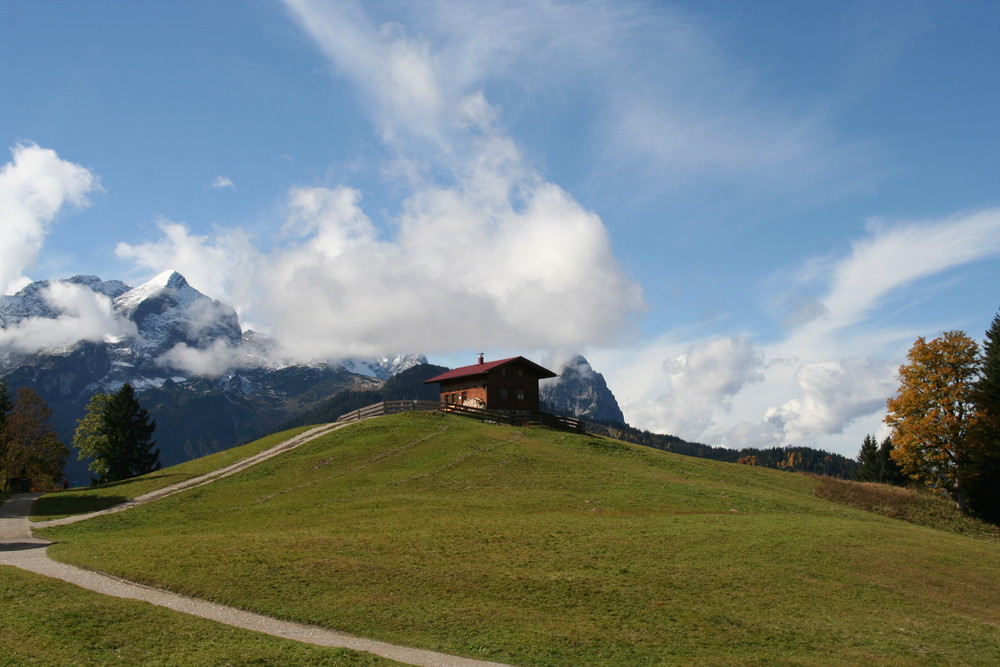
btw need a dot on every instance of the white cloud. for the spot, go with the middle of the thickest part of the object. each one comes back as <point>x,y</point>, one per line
<point>465,269</point>
<point>669,104</point>
<point>83,315</point>
<point>898,255</point>
<point>835,367</point>
<point>217,265</point>
<point>223,183</point>
<point>832,394</point>
<point>212,361</point>
<point>34,187</point>
<point>486,254</point>
<point>699,386</point>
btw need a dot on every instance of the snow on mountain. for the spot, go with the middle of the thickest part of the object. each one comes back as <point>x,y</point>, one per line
<point>208,384</point>
<point>33,300</point>
<point>168,312</point>
<point>385,367</point>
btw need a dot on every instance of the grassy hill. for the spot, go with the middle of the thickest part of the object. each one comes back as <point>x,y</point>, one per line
<point>540,547</point>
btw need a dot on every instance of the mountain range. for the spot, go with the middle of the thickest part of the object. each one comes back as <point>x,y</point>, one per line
<point>209,384</point>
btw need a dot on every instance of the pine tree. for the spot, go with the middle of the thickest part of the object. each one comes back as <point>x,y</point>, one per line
<point>875,463</point>
<point>869,462</point>
<point>983,481</point>
<point>116,433</point>
<point>889,470</point>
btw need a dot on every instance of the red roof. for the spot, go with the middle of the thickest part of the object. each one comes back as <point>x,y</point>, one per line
<point>488,366</point>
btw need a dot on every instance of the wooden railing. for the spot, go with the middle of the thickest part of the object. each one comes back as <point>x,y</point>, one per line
<point>388,408</point>
<point>494,416</point>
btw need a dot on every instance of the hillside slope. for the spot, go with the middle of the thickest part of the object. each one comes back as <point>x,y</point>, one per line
<point>533,546</point>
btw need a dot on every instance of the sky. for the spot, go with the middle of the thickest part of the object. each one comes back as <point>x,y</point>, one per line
<point>742,213</point>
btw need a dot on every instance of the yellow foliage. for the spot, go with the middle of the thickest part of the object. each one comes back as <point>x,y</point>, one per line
<point>933,413</point>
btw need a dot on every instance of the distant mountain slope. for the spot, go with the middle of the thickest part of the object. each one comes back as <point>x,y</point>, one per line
<point>208,384</point>
<point>408,384</point>
<point>580,391</point>
<point>211,386</point>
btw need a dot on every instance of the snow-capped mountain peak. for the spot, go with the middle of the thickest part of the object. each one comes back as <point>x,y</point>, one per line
<point>167,282</point>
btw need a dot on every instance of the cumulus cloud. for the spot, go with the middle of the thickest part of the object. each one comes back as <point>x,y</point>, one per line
<point>832,394</point>
<point>34,187</point>
<point>835,366</point>
<point>700,385</point>
<point>482,251</point>
<point>465,269</point>
<point>82,315</point>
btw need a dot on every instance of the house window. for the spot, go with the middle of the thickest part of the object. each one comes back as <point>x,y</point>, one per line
<point>503,395</point>
<point>520,394</point>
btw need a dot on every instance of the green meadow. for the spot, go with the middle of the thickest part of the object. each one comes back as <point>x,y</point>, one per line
<point>540,547</point>
<point>93,499</point>
<point>47,622</point>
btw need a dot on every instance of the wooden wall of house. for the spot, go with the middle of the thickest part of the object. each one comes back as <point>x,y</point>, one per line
<point>465,392</point>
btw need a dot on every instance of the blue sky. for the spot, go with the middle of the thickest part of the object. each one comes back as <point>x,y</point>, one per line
<point>743,213</point>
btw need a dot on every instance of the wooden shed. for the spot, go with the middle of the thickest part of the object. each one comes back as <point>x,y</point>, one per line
<point>505,384</point>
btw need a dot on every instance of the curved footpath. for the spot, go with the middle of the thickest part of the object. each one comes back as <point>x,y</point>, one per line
<point>19,548</point>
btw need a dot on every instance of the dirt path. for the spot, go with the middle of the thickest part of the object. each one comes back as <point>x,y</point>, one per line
<point>232,468</point>
<point>19,548</point>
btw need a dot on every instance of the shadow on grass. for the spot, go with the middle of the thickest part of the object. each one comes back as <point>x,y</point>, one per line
<point>57,505</point>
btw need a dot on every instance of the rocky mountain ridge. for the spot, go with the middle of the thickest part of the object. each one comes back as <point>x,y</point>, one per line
<point>580,391</point>
<point>208,384</point>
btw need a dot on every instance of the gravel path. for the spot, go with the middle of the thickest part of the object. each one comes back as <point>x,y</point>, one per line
<point>18,547</point>
<point>232,468</point>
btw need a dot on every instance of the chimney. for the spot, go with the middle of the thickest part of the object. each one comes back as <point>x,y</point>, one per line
<point>480,357</point>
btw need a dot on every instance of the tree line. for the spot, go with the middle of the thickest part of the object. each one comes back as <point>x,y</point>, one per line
<point>114,433</point>
<point>945,422</point>
<point>791,458</point>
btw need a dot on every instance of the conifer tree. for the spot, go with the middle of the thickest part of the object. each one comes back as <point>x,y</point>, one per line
<point>875,463</point>
<point>889,470</point>
<point>116,433</point>
<point>869,462</point>
<point>983,482</point>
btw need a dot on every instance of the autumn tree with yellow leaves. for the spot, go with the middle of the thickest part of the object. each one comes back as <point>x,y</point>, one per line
<point>934,417</point>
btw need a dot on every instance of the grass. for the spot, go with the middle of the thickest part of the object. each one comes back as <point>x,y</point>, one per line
<point>914,504</point>
<point>48,622</point>
<point>91,499</point>
<point>539,547</point>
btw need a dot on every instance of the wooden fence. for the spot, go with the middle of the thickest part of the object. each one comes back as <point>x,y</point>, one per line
<point>494,416</point>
